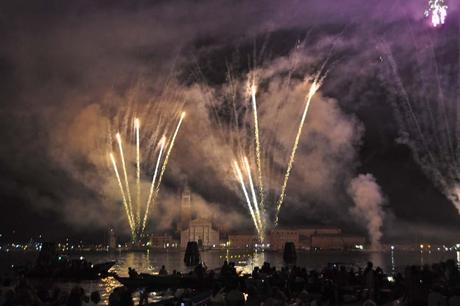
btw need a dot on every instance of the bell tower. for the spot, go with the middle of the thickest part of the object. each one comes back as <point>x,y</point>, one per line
<point>185,208</point>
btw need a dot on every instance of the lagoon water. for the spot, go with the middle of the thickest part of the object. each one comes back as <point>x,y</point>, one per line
<point>151,261</point>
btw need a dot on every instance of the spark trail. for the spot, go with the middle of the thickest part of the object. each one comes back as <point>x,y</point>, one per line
<point>152,186</point>
<point>239,176</point>
<point>120,185</point>
<point>137,213</point>
<point>138,169</point>
<point>125,173</point>
<point>165,162</point>
<point>313,89</point>
<point>257,139</point>
<point>253,192</point>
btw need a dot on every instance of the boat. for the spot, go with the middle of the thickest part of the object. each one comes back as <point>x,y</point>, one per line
<point>50,264</point>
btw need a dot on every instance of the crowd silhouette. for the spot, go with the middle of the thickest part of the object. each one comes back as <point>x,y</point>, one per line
<point>335,284</point>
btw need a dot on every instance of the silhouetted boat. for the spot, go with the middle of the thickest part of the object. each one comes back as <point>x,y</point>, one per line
<point>192,254</point>
<point>51,265</point>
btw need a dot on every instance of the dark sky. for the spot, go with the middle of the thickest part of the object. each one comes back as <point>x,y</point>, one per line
<point>68,68</point>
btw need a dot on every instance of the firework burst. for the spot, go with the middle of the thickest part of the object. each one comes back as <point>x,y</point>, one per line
<point>138,214</point>
<point>437,11</point>
<point>248,186</point>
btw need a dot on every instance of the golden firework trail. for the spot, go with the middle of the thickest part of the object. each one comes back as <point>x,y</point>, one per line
<point>257,138</point>
<point>171,145</point>
<point>137,126</point>
<point>125,172</point>
<point>125,203</point>
<point>253,192</point>
<point>313,89</point>
<point>239,176</point>
<point>152,186</point>
<point>165,162</point>
<point>137,216</point>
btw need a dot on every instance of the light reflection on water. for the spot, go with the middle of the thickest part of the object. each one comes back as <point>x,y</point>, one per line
<point>151,262</point>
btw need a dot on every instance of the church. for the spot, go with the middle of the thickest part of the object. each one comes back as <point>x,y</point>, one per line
<point>199,229</point>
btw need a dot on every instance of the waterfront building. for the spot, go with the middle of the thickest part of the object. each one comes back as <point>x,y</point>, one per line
<point>336,241</point>
<point>202,231</point>
<point>320,237</point>
<point>279,236</point>
<point>242,241</point>
<point>162,241</point>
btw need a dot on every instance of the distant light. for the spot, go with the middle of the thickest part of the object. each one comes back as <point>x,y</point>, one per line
<point>81,258</point>
<point>421,246</point>
<point>392,247</point>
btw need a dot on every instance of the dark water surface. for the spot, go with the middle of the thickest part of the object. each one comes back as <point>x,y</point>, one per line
<point>151,262</point>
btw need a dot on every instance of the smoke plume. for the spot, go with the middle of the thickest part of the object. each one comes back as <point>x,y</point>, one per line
<point>368,200</point>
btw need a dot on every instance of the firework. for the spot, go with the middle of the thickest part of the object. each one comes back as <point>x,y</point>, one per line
<point>437,9</point>
<point>152,186</point>
<point>313,89</point>
<point>427,119</point>
<point>257,139</point>
<point>136,223</point>
<point>253,192</point>
<point>163,168</point>
<point>240,178</point>
<point>137,126</point>
<point>125,173</point>
<point>125,203</point>
<point>255,203</point>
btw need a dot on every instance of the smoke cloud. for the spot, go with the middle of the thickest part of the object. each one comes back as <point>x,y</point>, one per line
<point>368,211</point>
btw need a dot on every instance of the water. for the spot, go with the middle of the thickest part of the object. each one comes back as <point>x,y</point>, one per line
<point>151,262</point>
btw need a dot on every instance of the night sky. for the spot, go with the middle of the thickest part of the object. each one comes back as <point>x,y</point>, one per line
<point>70,71</point>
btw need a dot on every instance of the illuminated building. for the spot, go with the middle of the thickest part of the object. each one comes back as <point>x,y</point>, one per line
<point>336,242</point>
<point>243,241</point>
<point>319,237</point>
<point>162,241</point>
<point>201,231</point>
